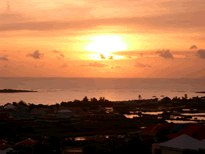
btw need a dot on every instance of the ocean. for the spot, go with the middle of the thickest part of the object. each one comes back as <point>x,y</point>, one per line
<point>56,90</point>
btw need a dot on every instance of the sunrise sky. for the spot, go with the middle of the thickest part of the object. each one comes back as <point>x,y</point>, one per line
<point>102,38</point>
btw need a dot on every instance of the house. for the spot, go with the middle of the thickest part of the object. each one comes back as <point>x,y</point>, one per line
<point>73,151</point>
<point>22,106</point>
<point>190,130</point>
<point>65,113</point>
<point>179,144</point>
<point>9,106</point>
<point>35,113</point>
<point>48,118</point>
<point>17,116</point>
<point>199,134</point>
<point>49,111</point>
<point>3,144</point>
<point>26,142</point>
<point>156,128</point>
<point>177,128</point>
<point>3,118</point>
<point>202,144</point>
<point>6,150</point>
<point>155,148</point>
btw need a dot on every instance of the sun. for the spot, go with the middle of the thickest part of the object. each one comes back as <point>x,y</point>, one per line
<point>105,44</point>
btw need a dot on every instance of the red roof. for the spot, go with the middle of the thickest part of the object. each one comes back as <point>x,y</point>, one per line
<point>149,128</point>
<point>160,127</point>
<point>27,141</point>
<point>190,130</point>
<point>2,141</point>
<point>157,127</point>
<point>199,134</point>
<point>3,144</point>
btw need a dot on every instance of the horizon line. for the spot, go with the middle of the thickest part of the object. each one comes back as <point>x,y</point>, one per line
<point>109,77</point>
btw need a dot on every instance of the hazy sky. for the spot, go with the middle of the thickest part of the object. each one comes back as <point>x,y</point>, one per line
<point>95,38</point>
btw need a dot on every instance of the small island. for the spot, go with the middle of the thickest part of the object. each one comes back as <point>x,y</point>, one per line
<point>200,92</point>
<point>14,91</point>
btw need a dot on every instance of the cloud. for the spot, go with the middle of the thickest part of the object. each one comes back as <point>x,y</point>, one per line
<point>116,66</point>
<point>128,53</point>
<point>110,57</point>
<point>165,54</point>
<point>157,23</point>
<point>141,65</point>
<point>83,65</point>
<point>62,55</point>
<point>193,47</point>
<point>6,66</point>
<point>36,55</point>
<point>96,64</point>
<point>56,51</point>
<point>8,17</point>
<point>39,66</point>
<point>4,58</point>
<point>64,66</point>
<point>102,56</point>
<point>4,51</point>
<point>201,53</point>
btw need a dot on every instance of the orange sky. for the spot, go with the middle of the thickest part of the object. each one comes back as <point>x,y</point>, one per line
<point>94,38</point>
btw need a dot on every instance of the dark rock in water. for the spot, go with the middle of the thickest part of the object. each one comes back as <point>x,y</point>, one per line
<point>14,91</point>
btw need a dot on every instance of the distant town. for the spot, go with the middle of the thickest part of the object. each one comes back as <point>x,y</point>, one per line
<point>99,126</point>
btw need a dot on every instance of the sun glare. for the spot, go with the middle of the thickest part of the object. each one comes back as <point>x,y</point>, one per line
<point>106,44</point>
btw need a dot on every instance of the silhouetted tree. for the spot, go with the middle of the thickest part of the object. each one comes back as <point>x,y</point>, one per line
<point>85,99</point>
<point>175,98</point>
<point>14,103</point>
<point>185,96</point>
<point>22,103</point>
<point>64,104</point>
<point>76,102</point>
<point>166,99</point>
<point>139,97</point>
<point>40,106</point>
<point>101,99</point>
<point>57,105</point>
<point>93,99</point>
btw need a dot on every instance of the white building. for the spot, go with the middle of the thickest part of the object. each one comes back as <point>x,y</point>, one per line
<point>178,144</point>
<point>6,150</point>
<point>9,106</point>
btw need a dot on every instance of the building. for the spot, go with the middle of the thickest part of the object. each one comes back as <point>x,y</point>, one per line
<point>6,150</point>
<point>48,118</point>
<point>179,144</point>
<point>9,106</point>
<point>26,142</point>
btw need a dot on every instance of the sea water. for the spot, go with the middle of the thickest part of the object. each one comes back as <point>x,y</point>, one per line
<point>56,90</point>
